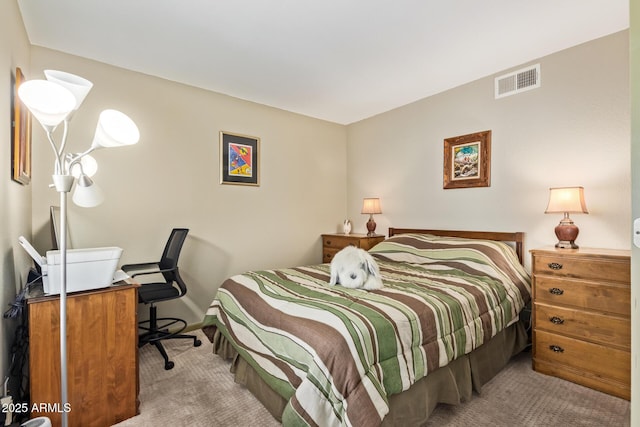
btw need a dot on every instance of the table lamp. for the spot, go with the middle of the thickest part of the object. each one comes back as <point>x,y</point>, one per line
<point>566,200</point>
<point>371,206</point>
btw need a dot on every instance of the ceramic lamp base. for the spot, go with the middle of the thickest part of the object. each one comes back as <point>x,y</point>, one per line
<point>371,227</point>
<point>566,232</point>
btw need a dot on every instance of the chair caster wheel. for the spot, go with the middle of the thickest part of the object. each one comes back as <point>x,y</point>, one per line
<point>197,343</point>
<point>169,365</point>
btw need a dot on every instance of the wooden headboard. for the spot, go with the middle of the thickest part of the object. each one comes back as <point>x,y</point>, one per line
<point>516,238</point>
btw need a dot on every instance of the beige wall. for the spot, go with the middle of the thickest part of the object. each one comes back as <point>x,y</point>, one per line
<point>573,130</point>
<point>171,179</point>
<point>15,199</point>
<point>634,50</point>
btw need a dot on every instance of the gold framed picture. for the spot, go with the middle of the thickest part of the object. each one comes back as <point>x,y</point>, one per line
<point>467,161</point>
<point>21,136</point>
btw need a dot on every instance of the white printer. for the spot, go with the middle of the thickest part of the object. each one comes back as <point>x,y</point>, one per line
<point>92,268</point>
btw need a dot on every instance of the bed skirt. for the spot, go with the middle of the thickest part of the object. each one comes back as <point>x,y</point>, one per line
<point>451,384</point>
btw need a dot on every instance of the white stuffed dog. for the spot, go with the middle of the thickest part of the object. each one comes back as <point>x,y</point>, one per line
<point>355,268</point>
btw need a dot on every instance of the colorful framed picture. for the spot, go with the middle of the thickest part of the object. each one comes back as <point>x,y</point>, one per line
<point>467,161</point>
<point>239,159</point>
<point>21,136</point>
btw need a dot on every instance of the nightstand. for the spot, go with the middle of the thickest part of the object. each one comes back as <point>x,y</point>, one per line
<point>581,317</point>
<point>332,243</point>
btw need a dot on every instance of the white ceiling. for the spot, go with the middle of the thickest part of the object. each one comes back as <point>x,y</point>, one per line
<point>338,60</point>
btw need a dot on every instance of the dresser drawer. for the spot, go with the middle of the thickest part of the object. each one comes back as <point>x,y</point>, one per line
<point>339,242</point>
<point>610,298</point>
<point>329,253</point>
<point>591,326</point>
<point>595,359</point>
<point>584,268</point>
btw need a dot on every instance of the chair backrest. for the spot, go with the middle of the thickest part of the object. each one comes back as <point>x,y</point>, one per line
<point>170,255</point>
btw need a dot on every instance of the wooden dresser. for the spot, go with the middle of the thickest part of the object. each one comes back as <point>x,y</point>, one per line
<point>102,354</point>
<point>332,243</point>
<point>581,317</point>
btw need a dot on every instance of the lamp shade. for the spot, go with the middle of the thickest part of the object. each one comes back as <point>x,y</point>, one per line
<point>371,206</point>
<point>49,102</point>
<point>88,166</point>
<point>78,86</point>
<point>115,129</point>
<point>87,194</point>
<point>566,199</point>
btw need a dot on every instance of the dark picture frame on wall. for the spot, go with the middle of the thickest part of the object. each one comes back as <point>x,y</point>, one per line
<point>239,159</point>
<point>21,135</point>
<point>467,161</point>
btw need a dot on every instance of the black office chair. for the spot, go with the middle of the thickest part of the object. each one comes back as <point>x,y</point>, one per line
<point>156,330</point>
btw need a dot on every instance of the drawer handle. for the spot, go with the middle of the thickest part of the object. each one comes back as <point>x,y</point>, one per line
<point>556,348</point>
<point>556,320</point>
<point>328,242</point>
<point>556,291</point>
<point>555,266</point>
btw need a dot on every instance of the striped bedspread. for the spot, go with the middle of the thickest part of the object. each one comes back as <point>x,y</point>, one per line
<point>336,354</point>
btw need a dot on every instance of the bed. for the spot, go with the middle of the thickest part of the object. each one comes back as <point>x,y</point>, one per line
<point>446,321</point>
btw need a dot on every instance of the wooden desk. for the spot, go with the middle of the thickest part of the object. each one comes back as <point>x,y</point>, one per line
<point>102,350</point>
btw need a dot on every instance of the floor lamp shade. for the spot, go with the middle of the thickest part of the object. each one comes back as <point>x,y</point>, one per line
<point>49,102</point>
<point>87,194</point>
<point>77,85</point>
<point>115,129</point>
<point>88,166</point>
<point>566,200</point>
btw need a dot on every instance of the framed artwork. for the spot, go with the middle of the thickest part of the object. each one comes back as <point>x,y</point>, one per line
<point>467,161</point>
<point>21,136</point>
<point>239,159</point>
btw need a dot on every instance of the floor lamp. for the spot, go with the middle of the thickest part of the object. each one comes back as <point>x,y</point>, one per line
<point>54,101</point>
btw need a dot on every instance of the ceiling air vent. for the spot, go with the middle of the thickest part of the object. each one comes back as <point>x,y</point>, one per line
<point>518,81</point>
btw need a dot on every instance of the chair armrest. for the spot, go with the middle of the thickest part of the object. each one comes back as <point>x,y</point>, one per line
<point>141,268</point>
<point>144,268</point>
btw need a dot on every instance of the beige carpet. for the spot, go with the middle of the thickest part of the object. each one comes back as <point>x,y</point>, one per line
<point>200,391</point>
<point>519,396</point>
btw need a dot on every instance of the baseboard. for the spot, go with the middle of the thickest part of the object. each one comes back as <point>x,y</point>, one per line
<point>189,328</point>
<point>193,327</point>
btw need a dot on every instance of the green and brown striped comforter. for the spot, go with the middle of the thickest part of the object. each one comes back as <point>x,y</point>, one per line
<point>336,354</point>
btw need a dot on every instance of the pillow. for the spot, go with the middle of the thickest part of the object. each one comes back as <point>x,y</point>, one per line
<point>488,257</point>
